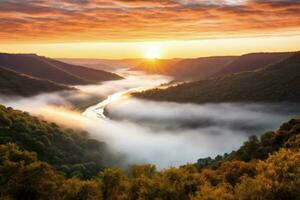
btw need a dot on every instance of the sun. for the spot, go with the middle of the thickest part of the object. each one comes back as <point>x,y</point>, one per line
<point>152,53</point>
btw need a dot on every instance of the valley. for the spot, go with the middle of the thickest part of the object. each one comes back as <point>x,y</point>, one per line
<point>149,100</point>
<point>80,130</point>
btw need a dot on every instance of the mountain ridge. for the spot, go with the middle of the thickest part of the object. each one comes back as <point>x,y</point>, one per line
<point>275,83</point>
<point>13,83</point>
<point>193,69</point>
<point>49,69</point>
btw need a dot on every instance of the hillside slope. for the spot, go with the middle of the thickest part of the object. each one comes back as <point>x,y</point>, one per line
<point>49,69</point>
<point>205,67</point>
<point>253,61</point>
<point>186,69</point>
<point>12,83</point>
<point>264,168</point>
<point>103,64</point>
<point>199,68</point>
<point>69,151</point>
<point>279,82</point>
<point>94,75</point>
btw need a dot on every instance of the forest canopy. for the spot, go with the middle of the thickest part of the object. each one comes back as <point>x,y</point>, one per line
<point>72,152</point>
<point>40,160</point>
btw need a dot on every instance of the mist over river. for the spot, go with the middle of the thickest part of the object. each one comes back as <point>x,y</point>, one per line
<point>162,133</point>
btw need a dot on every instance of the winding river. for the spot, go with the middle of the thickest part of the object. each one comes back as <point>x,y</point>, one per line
<point>134,81</point>
<point>162,133</point>
<point>172,134</point>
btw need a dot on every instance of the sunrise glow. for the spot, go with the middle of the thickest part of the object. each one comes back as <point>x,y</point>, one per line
<point>152,53</point>
<point>124,29</point>
<point>150,99</point>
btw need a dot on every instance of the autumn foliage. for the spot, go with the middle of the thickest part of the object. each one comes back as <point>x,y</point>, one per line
<point>262,168</point>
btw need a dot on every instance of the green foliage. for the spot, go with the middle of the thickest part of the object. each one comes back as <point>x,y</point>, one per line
<point>24,177</point>
<point>113,184</point>
<point>258,149</point>
<point>265,168</point>
<point>69,151</point>
<point>76,189</point>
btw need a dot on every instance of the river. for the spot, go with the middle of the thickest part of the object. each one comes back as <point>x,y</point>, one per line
<point>172,134</point>
<point>134,81</point>
<point>162,133</point>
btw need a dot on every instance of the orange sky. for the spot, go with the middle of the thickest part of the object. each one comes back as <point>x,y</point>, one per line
<point>127,28</point>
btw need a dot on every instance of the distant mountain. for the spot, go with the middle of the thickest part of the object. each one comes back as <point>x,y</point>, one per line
<point>12,83</point>
<point>204,67</point>
<point>275,83</point>
<point>187,69</point>
<point>49,69</point>
<point>103,64</point>
<point>89,74</point>
<point>200,68</point>
<point>253,61</point>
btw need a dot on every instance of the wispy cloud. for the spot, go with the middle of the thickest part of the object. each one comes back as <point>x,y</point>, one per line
<point>100,20</point>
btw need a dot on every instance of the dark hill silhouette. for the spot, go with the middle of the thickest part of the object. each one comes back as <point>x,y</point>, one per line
<point>45,68</point>
<point>104,64</point>
<point>89,74</point>
<point>205,67</point>
<point>186,69</point>
<point>12,83</point>
<point>253,61</point>
<point>275,83</point>
<point>199,68</point>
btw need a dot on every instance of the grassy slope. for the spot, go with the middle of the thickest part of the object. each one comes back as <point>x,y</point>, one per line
<point>279,82</point>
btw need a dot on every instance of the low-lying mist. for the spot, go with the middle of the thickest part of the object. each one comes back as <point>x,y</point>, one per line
<point>167,133</point>
<point>162,133</point>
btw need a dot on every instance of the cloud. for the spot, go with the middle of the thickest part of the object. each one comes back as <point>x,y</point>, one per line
<point>100,20</point>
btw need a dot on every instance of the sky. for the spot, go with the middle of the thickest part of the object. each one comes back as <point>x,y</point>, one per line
<point>137,28</point>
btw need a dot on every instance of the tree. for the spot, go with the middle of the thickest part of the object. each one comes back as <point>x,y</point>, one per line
<point>76,189</point>
<point>277,178</point>
<point>114,185</point>
<point>24,177</point>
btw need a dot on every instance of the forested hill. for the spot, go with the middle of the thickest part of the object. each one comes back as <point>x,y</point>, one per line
<point>12,83</point>
<point>275,83</point>
<point>56,71</point>
<point>287,136</point>
<point>187,69</point>
<point>265,168</point>
<point>69,151</point>
<point>253,61</point>
<point>195,69</point>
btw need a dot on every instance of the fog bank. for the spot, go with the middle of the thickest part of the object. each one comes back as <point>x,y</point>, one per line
<point>162,133</point>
